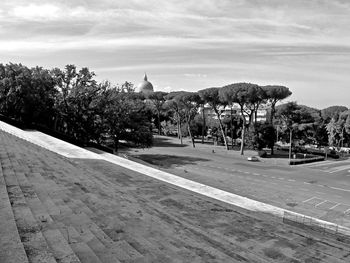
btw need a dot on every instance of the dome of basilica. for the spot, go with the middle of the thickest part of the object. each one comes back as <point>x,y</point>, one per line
<point>145,86</point>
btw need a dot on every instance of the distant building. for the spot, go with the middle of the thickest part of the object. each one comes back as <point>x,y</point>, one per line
<point>234,110</point>
<point>145,86</point>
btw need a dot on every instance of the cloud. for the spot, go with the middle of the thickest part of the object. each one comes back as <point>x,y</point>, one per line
<point>246,21</point>
<point>35,12</point>
<point>183,41</point>
<point>195,75</point>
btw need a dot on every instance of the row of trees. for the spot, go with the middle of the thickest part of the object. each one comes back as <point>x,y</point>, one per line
<point>330,126</point>
<point>249,97</point>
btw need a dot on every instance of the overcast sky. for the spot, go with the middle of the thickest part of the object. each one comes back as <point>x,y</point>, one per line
<point>191,44</point>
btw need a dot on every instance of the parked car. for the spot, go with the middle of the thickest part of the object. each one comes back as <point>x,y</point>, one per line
<point>253,159</point>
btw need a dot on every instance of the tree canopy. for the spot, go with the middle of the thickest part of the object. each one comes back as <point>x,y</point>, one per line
<point>332,111</point>
<point>248,96</point>
<point>274,94</point>
<point>212,97</point>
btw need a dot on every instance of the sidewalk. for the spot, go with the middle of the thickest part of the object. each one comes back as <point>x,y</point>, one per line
<point>72,151</point>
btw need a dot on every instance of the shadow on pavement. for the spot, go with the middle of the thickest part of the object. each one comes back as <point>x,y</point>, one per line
<point>167,142</point>
<point>168,161</point>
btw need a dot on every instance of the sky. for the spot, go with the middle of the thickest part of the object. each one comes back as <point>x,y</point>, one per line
<point>189,44</point>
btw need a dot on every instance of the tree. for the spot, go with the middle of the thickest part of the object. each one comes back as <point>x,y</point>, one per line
<point>173,103</point>
<point>274,94</point>
<point>347,124</point>
<point>289,116</point>
<point>78,92</point>
<point>266,135</point>
<point>27,95</point>
<point>297,120</point>
<point>233,123</point>
<point>333,132</point>
<point>124,117</point>
<point>344,126</point>
<point>338,129</point>
<point>320,135</point>
<point>211,96</point>
<point>189,101</point>
<point>332,112</point>
<point>158,99</point>
<point>43,97</point>
<point>247,96</point>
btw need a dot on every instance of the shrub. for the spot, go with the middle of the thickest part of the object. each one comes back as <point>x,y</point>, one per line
<point>262,154</point>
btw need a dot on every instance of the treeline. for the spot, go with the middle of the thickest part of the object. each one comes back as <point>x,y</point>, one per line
<point>305,125</point>
<point>73,103</point>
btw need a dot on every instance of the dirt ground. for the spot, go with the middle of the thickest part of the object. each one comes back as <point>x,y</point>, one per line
<point>105,211</point>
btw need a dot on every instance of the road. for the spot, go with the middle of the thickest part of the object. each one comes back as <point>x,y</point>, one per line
<point>321,190</point>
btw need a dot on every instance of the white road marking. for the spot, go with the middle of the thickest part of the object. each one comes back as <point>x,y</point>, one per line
<point>256,174</point>
<point>281,178</point>
<point>291,180</point>
<point>347,211</point>
<point>334,206</point>
<point>341,189</point>
<point>321,203</point>
<point>309,199</point>
<point>306,183</point>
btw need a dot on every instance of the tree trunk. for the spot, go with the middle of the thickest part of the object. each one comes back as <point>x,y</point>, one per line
<point>256,116</point>
<point>190,134</point>
<point>55,123</point>
<point>272,149</point>
<point>203,127</point>
<point>290,146</point>
<point>242,138</point>
<point>158,123</point>
<point>116,145</point>
<point>243,131</point>
<point>179,127</point>
<point>180,133</point>
<point>231,132</point>
<point>221,128</point>
<point>272,113</point>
